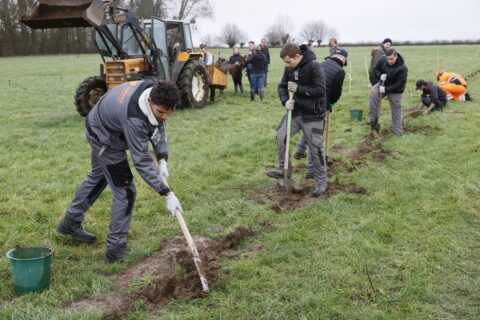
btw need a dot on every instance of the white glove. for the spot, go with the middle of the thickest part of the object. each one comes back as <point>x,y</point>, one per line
<point>382,89</point>
<point>173,204</point>
<point>289,104</point>
<point>237,63</point>
<point>162,168</point>
<point>292,86</point>
<point>383,77</point>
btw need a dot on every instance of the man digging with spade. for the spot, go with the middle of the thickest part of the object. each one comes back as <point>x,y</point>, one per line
<point>304,77</point>
<point>391,76</point>
<point>128,116</point>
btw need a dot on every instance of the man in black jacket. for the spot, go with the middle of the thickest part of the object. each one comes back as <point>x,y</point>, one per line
<point>392,71</point>
<point>304,76</point>
<point>334,76</point>
<point>433,97</point>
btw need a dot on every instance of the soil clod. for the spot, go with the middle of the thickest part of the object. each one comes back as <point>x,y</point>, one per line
<point>168,274</point>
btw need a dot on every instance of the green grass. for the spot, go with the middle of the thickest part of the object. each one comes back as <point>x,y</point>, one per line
<point>417,232</point>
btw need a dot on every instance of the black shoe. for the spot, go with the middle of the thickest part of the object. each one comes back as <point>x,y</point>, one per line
<point>275,173</point>
<point>300,155</point>
<point>468,97</point>
<point>115,254</point>
<point>74,229</point>
<point>320,189</point>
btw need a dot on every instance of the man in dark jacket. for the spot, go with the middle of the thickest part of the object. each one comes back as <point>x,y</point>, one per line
<point>334,76</point>
<point>126,117</point>
<point>304,76</point>
<point>392,71</point>
<point>433,97</point>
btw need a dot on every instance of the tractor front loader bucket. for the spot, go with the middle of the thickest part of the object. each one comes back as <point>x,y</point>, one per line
<point>46,14</point>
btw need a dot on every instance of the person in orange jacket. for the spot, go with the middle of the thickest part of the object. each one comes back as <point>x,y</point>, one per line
<point>453,84</point>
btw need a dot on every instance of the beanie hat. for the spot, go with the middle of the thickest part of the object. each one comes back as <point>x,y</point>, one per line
<point>387,40</point>
<point>420,83</point>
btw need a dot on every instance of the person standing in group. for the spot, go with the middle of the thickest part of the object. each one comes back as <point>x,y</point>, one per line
<point>334,76</point>
<point>390,80</point>
<point>248,66</point>
<point>332,43</point>
<point>237,60</point>
<point>207,60</point>
<point>127,117</point>
<point>257,62</point>
<point>376,54</point>
<point>266,53</point>
<point>303,76</point>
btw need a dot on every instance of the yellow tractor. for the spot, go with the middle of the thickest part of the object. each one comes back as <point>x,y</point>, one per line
<point>131,49</point>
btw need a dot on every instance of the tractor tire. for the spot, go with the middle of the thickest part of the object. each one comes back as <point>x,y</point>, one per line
<point>88,93</point>
<point>193,85</point>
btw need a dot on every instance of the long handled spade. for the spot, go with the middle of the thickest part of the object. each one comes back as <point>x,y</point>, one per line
<point>286,181</point>
<point>188,237</point>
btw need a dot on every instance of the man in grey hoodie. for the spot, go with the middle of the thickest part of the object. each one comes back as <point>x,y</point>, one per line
<point>128,116</point>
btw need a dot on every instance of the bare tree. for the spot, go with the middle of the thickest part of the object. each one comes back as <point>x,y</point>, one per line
<point>192,9</point>
<point>278,33</point>
<point>231,35</point>
<point>149,8</point>
<point>209,39</point>
<point>315,31</point>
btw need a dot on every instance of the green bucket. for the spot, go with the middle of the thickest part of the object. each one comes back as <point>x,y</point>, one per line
<point>356,114</point>
<point>31,268</point>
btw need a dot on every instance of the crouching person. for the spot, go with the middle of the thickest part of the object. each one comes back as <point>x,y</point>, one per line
<point>126,117</point>
<point>433,97</point>
<point>303,76</point>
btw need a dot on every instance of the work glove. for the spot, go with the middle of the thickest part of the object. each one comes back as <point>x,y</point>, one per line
<point>237,63</point>
<point>162,168</point>
<point>382,89</point>
<point>173,204</point>
<point>289,104</point>
<point>292,86</point>
<point>383,77</point>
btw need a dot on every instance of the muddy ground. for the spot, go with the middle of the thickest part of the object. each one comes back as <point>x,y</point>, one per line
<point>370,148</point>
<point>168,274</point>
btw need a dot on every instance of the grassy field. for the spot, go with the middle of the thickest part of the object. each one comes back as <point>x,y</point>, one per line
<point>409,249</point>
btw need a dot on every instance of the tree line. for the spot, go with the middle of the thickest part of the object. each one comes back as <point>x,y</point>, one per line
<point>18,39</point>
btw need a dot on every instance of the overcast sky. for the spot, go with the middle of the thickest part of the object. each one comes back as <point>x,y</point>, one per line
<point>354,20</point>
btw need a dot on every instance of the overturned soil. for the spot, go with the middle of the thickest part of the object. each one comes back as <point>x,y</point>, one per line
<point>168,274</point>
<point>300,196</point>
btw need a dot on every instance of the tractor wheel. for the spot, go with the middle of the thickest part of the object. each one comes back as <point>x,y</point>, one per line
<point>88,93</point>
<point>193,85</point>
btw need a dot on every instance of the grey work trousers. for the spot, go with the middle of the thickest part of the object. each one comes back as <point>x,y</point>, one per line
<point>313,132</point>
<point>111,168</point>
<point>395,100</point>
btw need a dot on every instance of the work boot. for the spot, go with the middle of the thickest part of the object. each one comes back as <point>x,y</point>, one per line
<point>241,89</point>
<point>252,95</point>
<point>300,155</point>
<point>276,173</point>
<point>261,94</point>
<point>74,229</point>
<point>115,254</point>
<point>320,188</point>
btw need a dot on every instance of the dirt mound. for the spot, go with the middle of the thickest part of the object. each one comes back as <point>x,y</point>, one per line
<point>168,274</point>
<point>300,197</point>
<point>372,148</point>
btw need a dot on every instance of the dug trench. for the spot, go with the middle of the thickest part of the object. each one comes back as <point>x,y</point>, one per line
<point>369,148</point>
<point>168,274</point>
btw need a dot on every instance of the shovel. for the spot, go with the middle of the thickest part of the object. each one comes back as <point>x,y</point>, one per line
<point>287,183</point>
<point>188,237</point>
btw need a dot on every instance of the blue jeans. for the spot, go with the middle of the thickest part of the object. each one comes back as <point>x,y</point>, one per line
<point>257,82</point>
